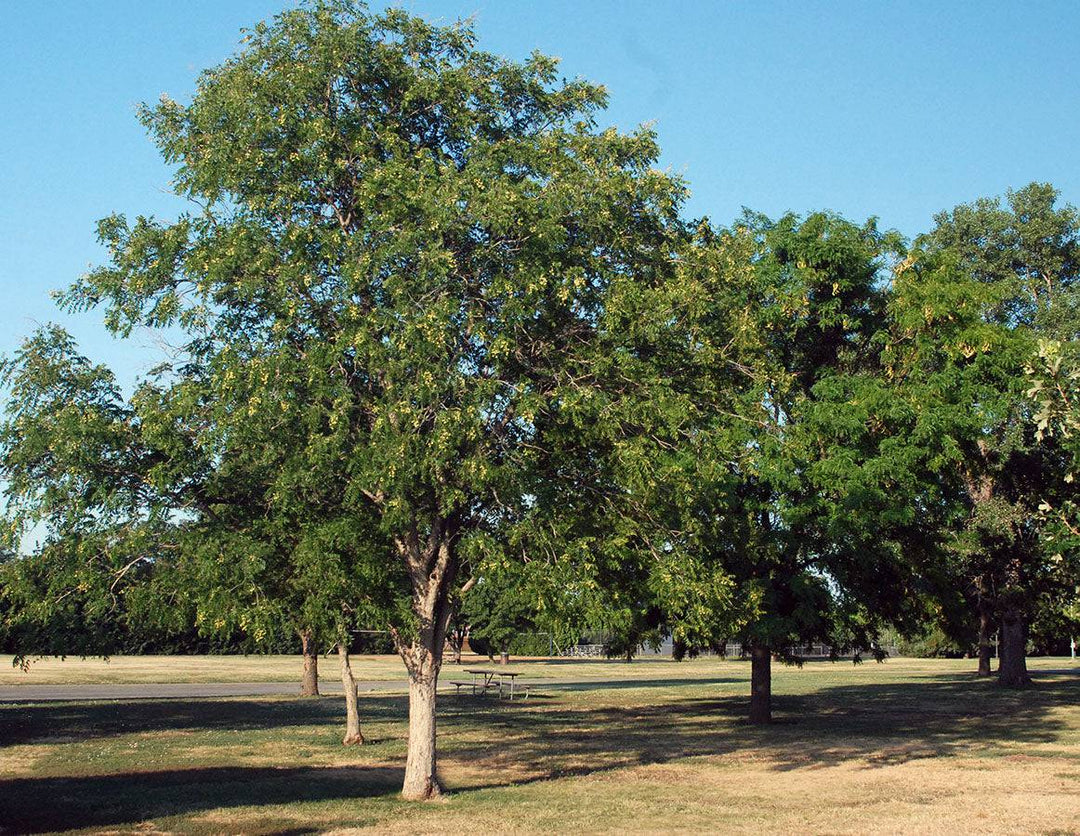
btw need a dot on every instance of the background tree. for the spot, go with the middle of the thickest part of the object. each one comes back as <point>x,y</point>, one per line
<point>81,480</point>
<point>801,301</point>
<point>633,621</point>
<point>145,539</point>
<point>1054,378</point>
<point>497,611</point>
<point>965,318</point>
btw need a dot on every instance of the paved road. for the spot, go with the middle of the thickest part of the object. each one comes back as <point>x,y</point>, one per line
<point>174,690</point>
<point>198,690</point>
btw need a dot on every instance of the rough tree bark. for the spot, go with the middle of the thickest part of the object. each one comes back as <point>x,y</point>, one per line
<point>1012,662</point>
<point>309,684</point>
<point>353,735</point>
<point>432,570</point>
<point>760,685</point>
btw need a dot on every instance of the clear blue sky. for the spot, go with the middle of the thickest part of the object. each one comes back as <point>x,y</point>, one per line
<point>897,110</point>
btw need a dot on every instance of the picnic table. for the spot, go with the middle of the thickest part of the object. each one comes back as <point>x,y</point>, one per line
<point>489,679</point>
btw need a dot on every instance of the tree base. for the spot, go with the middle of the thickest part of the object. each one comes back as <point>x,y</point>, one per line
<point>353,740</point>
<point>760,686</point>
<point>1014,681</point>
<point>427,791</point>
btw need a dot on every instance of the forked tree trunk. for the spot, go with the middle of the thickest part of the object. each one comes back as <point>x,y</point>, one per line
<point>353,735</point>
<point>760,685</point>
<point>1012,662</point>
<point>432,572</point>
<point>309,684</point>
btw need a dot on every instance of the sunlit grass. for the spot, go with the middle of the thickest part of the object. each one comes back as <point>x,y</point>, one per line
<point>126,670</point>
<point>904,746</point>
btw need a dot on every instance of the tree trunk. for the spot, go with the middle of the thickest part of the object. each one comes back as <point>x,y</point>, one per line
<point>456,640</point>
<point>353,735</point>
<point>1012,664</point>
<point>980,490</point>
<point>309,684</point>
<point>986,632</point>
<point>421,780</point>
<point>432,572</point>
<point>760,685</point>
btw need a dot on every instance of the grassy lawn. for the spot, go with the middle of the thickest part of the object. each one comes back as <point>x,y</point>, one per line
<point>144,669</point>
<point>147,669</point>
<point>904,746</point>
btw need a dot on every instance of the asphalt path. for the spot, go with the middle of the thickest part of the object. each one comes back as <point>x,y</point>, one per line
<point>173,690</point>
<point>200,690</point>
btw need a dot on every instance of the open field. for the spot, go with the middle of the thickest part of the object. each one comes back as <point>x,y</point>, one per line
<point>143,669</point>
<point>146,669</point>
<point>907,745</point>
<point>123,670</point>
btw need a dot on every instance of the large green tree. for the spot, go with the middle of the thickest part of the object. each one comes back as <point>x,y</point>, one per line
<point>432,255</point>
<point>796,303</point>
<point>966,314</point>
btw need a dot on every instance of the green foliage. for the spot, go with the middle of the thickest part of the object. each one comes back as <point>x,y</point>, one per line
<point>932,643</point>
<point>438,327</point>
<point>497,612</point>
<point>83,482</point>
<point>778,508</point>
<point>1054,388</point>
<point>431,314</point>
<point>966,312</point>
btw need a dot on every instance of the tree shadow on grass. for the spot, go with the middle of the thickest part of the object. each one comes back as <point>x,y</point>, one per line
<point>623,684</point>
<point>619,663</point>
<point>501,743</point>
<point>38,805</point>
<point>58,722</point>
<point>870,725</point>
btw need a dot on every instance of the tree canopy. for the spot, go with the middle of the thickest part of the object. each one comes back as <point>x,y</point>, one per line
<point>418,278</point>
<point>439,330</point>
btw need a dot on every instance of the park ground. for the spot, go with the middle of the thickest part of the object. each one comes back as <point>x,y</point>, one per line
<point>903,746</point>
